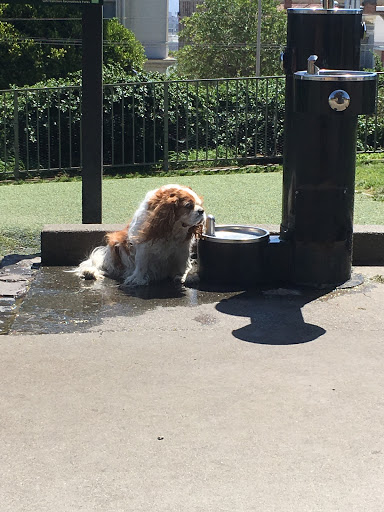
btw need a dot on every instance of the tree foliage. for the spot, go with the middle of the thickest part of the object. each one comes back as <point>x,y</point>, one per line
<point>221,39</point>
<point>40,42</point>
<point>16,56</point>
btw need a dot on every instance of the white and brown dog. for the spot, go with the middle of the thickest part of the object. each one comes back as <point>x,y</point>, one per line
<point>156,244</point>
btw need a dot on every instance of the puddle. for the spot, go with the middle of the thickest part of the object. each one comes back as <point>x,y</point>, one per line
<point>8,308</point>
<point>59,302</point>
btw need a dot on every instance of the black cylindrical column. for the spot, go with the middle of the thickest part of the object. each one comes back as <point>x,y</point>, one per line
<point>334,35</point>
<point>319,147</point>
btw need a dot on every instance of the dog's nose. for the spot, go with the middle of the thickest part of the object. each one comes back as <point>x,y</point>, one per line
<point>200,211</point>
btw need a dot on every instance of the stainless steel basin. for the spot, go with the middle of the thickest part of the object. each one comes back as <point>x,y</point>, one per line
<point>234,254</point>
<point>229,234</point>
<point>336,75</point>
<point>350,92</point>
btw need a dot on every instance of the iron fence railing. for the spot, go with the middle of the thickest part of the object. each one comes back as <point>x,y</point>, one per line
<point>164,123</point>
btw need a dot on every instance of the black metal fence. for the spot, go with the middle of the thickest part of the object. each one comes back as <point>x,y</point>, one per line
<point>155,123</point>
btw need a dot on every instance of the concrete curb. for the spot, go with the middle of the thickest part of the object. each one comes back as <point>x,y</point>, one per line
<point>68,244</point>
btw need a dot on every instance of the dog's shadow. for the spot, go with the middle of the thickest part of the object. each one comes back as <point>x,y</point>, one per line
<point>159,290</point>
<point>275,316</point>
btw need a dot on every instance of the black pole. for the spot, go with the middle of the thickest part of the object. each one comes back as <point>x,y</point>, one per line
<point>92,114</point>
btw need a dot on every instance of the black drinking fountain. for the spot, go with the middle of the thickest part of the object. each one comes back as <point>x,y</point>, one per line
<point>325,92</point>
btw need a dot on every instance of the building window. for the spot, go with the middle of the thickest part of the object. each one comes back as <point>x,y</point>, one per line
<point>109,9</point>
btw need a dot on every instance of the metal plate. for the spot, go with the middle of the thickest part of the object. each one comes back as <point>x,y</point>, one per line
<point>339,100</point>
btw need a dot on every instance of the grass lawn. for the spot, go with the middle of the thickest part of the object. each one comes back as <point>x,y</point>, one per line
<point>232,198</point>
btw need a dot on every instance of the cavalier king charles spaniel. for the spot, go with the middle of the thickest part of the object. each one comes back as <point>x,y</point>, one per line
<point>156,244</point>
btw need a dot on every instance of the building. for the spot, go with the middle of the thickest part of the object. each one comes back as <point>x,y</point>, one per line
<point>109,9</point>
<point>186,9</point>
<point>173,32</point>
<point>148,20</point>
<point>173,23</point>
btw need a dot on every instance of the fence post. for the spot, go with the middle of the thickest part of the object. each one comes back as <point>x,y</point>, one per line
<point>16,170</point>
<point>92,113</point>
<point>166,119</point>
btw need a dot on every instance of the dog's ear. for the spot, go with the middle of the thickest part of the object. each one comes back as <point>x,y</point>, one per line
<point>160,220</point>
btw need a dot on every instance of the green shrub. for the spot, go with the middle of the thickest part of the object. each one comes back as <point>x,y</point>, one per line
<point>245,117</point>
<point>217,120</point>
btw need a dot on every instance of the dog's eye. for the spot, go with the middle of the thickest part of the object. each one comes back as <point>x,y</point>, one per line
<point>188,205</point>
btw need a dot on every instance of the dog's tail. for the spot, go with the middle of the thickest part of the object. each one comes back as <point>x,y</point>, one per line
<point>93,267</point>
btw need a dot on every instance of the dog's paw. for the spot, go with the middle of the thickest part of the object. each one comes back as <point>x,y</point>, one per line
<point>136,281</point>
<point>90,274</point>
<point>179,279</point>
<point>192,280</point>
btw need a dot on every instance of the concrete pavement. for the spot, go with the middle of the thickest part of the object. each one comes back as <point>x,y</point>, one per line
<point>258,401</point>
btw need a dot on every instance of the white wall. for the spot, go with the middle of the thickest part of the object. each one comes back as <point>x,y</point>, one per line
<point>148,20</point>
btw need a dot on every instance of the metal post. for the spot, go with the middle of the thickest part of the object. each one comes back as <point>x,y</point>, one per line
<point>16,172</point>
<point>166,121</point>
<point>92,114</point>
<point>258,42</point>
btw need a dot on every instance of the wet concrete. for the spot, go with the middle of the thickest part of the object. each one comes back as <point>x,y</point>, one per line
<point>8,311</point>
<point>59,302</point>
<point>17,271</point>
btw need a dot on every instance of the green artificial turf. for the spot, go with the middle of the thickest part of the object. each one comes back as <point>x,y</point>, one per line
<point>370,177</point>
<point>231,198</point>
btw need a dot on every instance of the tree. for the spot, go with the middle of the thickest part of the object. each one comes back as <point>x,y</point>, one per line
<point>17,55</point>
<point>221,39</point>
<point>39,42</point>
<point>128,53</point>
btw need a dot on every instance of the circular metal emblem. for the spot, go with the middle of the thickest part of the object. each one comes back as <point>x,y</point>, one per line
<point>339,100</point>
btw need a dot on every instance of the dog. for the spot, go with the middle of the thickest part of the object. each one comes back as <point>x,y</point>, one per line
<point>156,245</point>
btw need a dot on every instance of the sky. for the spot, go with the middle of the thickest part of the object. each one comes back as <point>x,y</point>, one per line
<point>174,5</point>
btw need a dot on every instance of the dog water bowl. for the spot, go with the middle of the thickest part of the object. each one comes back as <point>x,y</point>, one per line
<point>234,254</point>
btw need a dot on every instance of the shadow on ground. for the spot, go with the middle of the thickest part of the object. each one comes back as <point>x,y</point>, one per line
<point>14,259</point>
<point>275,316</point>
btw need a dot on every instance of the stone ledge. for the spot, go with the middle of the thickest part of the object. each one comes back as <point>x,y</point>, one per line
<point>69,244</point>
<point>368,245</point>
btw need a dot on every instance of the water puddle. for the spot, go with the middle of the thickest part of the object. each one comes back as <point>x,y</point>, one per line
<point>59,302</point>
<point>8,308</point>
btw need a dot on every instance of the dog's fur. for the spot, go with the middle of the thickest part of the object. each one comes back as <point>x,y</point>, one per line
<point>155,245</point>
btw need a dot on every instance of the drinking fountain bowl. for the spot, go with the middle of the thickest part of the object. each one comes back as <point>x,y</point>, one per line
<point>334,91</point>
<point>233,254</point>
<point>335,75</point>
